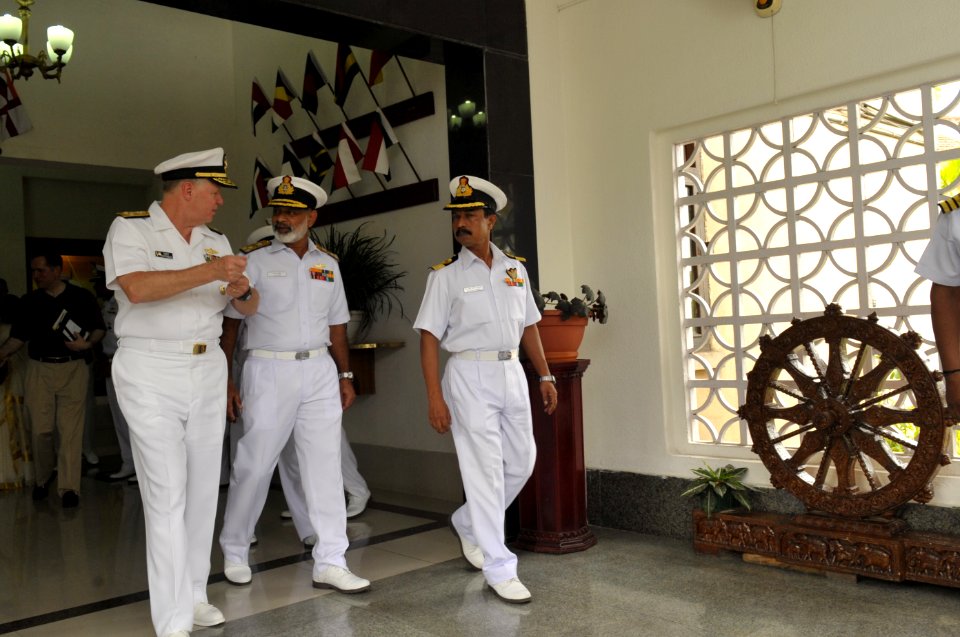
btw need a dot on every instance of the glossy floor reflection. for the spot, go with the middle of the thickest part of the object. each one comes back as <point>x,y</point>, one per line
<point>82,572</point>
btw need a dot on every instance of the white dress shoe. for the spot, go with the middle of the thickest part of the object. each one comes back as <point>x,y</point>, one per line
<point>125,472</point>
<point>310,541</point>
<point>132,479</point>
<point>207,615</point>
<point>512,591</point>
<point>237,573</point>
<point>179,633</point>
<point>91,457</point>
<point>253,540</point>
<point>356,504</point>
<point>340,579</point>
<point>286,515</point>
<point>471,552</point>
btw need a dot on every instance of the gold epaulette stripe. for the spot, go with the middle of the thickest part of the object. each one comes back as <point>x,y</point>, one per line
<point>516,258</point>
<point>445,263</point>
<point>325,251</point>
<point>262,243</point>
<point>139,214</point>
<point>949,205</point>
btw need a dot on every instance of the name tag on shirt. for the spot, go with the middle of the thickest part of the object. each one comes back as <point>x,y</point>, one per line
<point>472,288</point>
<point>163,255</point>
<point>283,273</point>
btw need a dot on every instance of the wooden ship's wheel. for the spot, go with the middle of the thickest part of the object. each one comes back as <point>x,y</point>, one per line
<point>846,416</point>
<point>830,404</point>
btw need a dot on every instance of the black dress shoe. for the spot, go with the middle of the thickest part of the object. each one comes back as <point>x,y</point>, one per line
<point>70,499</point>
<point>40,492</point>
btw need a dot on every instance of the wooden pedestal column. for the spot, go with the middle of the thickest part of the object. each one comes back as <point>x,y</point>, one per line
<point>553,504</point>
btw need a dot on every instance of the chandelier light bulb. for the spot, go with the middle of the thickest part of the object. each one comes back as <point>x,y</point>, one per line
<point>10,28</point>
<point>65,58</point>
<point>467,109</point>
<point>60,38</point>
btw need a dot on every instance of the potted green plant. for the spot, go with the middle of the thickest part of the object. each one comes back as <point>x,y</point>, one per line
<point>720,489</point>
<point>370,274</point>
<point>565,320</point>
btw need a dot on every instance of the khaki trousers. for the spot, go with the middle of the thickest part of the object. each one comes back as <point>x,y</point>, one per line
<point>55,394</point>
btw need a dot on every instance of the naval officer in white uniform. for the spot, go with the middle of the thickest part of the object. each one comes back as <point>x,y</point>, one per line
<point>296,381</point>
<point>173,276</point>
<point>478,306</point>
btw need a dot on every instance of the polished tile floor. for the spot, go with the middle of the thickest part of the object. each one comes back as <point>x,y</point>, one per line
<point>82,572</point>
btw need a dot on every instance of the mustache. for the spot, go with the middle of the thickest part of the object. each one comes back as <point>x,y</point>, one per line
<point>462,231</point>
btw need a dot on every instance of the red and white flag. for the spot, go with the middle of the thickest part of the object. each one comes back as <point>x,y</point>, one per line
<point>382,137</point>
<point>345,171</point>
<point>13,114</point>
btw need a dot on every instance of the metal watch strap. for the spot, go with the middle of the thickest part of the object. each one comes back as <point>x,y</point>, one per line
<point>549,378</point>
<point>345,376</point>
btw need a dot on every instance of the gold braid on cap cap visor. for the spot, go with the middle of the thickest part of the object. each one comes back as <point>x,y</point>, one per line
<point>287,203</point>
<point>472,204</point>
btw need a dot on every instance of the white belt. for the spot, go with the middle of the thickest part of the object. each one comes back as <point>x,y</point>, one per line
<point>171,347</point>
<point>474,355</point>
<point>287,356</point>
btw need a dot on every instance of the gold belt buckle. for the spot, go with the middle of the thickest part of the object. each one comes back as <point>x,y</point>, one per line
<point>199,348</point>
<point>504,356</point>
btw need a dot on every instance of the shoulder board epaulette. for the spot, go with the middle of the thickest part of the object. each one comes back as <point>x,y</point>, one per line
<point>949,205</point>
<point>515,257</point>
<point>212,229</point>
<point>139,214</point>
<point>445,263</point>
<point>325,251</point>
<point>262,243</point>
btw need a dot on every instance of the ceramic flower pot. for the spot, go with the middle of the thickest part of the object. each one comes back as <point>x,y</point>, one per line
<point>561,338</point>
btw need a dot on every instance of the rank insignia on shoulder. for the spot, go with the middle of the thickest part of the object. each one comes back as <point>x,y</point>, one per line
<point>325,251</point>
<point>212,229</point>
<point>515,257</point>
<point>263,243</point>
<point>139,214</point>
<point>445,263</point>
<point>949,205</point>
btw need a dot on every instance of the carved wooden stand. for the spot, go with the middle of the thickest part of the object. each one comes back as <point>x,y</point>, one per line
<point>882,549</point>
<point>825,403</point>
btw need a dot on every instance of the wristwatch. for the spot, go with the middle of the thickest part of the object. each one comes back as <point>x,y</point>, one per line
<point>246,295</point>
<point>345,375</point>
<point>549,379</point>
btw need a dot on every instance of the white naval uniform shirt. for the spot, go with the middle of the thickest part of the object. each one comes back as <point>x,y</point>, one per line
<point>940,261</point>
<point>151,244</point>
<point>470,307</point>
<point>299,299</point>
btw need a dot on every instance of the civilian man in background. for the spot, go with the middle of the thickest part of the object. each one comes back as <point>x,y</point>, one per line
<point>60,323</point>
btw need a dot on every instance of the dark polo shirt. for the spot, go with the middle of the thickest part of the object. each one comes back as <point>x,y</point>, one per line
<point>37,313</point>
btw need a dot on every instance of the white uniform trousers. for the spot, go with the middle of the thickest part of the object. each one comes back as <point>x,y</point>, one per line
<point>353,482</point>
<point>493,432</point>
<point>175,407</point>
<point>283,398</point>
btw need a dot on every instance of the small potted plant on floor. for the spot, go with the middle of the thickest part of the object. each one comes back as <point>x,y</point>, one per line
<point>720,489</point>
<point>565,320</point>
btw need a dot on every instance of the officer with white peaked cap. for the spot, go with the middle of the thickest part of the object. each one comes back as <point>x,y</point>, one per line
<point>296,382</point>
<point>173,276</point>
<point>478,305</point>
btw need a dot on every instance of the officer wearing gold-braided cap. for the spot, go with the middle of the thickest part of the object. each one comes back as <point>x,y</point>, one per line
<point>173,276</point>
<point>479,306</point>
<point>296,382</point>
<point>940,263</point>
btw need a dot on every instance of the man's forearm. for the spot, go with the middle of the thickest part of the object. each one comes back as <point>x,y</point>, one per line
<point>339,348</point>
<point>144,287</point>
